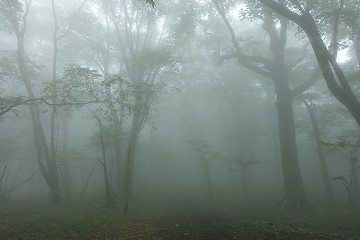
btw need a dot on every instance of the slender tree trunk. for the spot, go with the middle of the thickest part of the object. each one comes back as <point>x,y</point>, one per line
<point>129,166</point>
<point>355,181</point>
<point>47,165</point>
<point>243,170</point>
<point>321,155</point>
<point>210,191</point>
<point>127,176</point>
<point>66,175</point>
<point>109,201</point>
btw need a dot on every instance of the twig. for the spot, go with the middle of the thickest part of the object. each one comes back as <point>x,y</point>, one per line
<point>2,176</point>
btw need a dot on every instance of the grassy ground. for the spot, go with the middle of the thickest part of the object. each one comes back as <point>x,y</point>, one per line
<point>202,220</point>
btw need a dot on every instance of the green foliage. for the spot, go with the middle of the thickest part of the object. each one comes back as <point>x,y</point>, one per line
<point>10,13</point>
<point>341,143</point>
<point>150,58</point>
<point>9,104</point>
<point>108,135</point>
<point>9,65</point>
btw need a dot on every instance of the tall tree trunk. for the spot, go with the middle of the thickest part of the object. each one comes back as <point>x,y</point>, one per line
<point>47,165</point>
<point>127,176</point>
<point>209,186</point>
<point>294,191</point>
<point>66,172</point>
<point>243,171</point>
<point>129,166</point>
<point>354,174</point>
<point>277,70</point>
<point>321,155</point>
<point>109,201</point>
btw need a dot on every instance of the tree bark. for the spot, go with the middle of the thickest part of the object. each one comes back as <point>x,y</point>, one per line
<point>109,201</point>
<point>321,155</point>
<point>294,191</point>
<point>354,174</point>
<point>47,165</point>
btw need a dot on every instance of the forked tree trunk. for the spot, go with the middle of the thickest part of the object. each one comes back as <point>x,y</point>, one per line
<point>47,164</point>
<point>277,70</point>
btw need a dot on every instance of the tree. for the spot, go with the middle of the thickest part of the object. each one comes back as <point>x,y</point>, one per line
<point>206,155</point>
<point>16,18</point>
<point>304,15</point>
<point>102,139</point>
<point>309,105</point>
<point>57,36</point>
<point>277,69</point>
<point>145,59</point>
<point>242,164</point>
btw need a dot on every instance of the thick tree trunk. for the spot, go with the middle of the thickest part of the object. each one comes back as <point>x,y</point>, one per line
<point>277,70</point>
<point>294,191</point>
<point>321,155</point>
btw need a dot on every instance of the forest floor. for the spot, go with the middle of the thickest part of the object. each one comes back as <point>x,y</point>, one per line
<point>170,221</point>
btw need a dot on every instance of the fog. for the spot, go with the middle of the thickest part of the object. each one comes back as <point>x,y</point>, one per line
<point>104,103</point>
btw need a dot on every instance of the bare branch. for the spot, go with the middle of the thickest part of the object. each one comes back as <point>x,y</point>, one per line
<point>22,182</point>
<point>71,22</point>
<point>102,163</point>
<point>301,57</point>
<point>249,62</point>
<point>335,43</point>
<point>9,108</point>
<point>307,84</point>
<point>2,175</point>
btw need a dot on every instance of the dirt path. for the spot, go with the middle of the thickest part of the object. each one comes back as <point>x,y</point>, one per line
<point>179,222</point>
<point>194,223</point>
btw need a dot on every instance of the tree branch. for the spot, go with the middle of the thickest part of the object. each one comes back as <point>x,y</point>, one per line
<point>301,57</point>
<point>21,183</point>
<point>2,175</point>
<point>71,22</point>
<point>307,84</point>
<point>9,108</point>
<point>283,10</point>
<point>249,62</point>
<point>244,60</point>
<point>299,7</point>
<point>102,164</point>
<point>335,43</point>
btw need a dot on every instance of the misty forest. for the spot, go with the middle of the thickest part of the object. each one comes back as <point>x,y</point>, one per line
<point>180,119</point>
